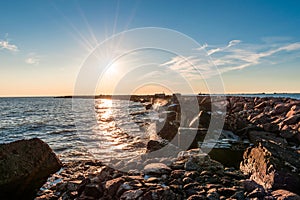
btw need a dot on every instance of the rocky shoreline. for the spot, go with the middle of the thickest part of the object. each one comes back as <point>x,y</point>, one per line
<point>264,133</point>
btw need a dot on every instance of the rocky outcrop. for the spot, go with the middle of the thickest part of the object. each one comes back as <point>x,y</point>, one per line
<point>24,167</point>
<point>272,166</point>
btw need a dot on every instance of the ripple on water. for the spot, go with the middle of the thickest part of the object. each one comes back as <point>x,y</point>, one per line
<point>118,132</point>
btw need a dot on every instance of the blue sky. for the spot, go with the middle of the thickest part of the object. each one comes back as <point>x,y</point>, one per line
<point>255,44</point>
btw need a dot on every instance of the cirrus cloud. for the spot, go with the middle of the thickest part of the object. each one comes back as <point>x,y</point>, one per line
<point>6,45</point>
<point>234,56</point>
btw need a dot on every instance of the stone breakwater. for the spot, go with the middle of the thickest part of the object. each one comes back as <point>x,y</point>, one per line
<point>280,116</point>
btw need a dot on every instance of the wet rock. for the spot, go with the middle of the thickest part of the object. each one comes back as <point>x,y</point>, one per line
<point>272,166</point>
<point>25,166</point>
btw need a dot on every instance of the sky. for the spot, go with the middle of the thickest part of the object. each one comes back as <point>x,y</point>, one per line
<point>246,46</point>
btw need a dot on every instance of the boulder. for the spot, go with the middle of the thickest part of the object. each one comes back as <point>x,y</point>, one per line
<point>156,168</point>
<point>272,166</point>
<point>25,166</point>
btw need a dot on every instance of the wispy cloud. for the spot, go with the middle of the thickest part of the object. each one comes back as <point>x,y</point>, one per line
<point>249,55</point>
<point>32,59</point>
<point>234,56</point>
<point>6,45</point>
<point>230,44</point>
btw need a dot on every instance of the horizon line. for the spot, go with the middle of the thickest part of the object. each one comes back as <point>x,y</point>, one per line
<point>93,95</point>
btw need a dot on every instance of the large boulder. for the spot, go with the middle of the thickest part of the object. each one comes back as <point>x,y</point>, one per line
<point>272,166</point>
<point>24,167</point>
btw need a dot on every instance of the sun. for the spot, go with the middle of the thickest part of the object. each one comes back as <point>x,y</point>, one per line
<point>113,68</point>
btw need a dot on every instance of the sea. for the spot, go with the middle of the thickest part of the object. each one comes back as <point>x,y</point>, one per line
<point>86,129</point>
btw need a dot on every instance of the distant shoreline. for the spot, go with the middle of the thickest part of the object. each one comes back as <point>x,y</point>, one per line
<point>127,96</point>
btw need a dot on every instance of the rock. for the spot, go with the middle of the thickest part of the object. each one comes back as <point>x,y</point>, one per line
<point>226,191</point>
<point>281,108</point>
<point>25,166</point>
<point>113,185</point>
<point>93,190</point>
<point>261,118</point>
<point>175,174</point>
<point>260,105</point>
<point>270,127</point>
<point>294,119</point>
<point>213,196</point>
<point>250,185</point>
<point>131,194</point>
<point>154,145</point>
<point>156,169</point>
<point>148,106</point>
<point>163,193</point>
<point>257,136</point>
<point>285,195</point>
<point>272,166</point>
<point>257,193</point>
<point>293,111</point>
<point>238,195</point>
<point>196,197</point>
<point>191,164</point>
